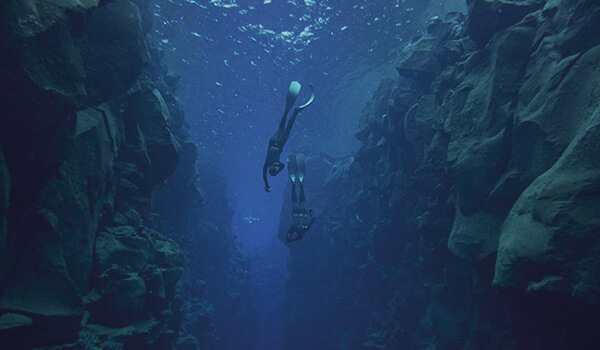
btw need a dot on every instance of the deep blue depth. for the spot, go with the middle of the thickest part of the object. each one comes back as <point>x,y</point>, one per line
<point>236,62</point>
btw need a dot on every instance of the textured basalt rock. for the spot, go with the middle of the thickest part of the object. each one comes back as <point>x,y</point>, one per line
<point>113,50</point>
<point>153,119</point>
<point>550,238</point>
<point>428,55</point>
<point>467,219</point>
<point>85,139</point>
<point>74,52</point>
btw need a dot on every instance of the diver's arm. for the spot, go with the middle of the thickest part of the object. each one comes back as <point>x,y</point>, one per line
<point>265,179</point>
<point>289,237</point>
<point>280,168</point>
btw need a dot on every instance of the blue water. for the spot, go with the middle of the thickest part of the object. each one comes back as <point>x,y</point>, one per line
<point>236,60</point>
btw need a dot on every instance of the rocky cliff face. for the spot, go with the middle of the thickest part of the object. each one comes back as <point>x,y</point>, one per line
<point>90,132</point>
<point>468,217</point>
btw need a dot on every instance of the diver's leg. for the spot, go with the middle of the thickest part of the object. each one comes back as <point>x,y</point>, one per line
<point>300,160</point>
<point>294,196</point>
<point>292,169</point>
<point>292,95</point>
<point>288,127</point>
<point>290,123</point>
<point>302,197</point>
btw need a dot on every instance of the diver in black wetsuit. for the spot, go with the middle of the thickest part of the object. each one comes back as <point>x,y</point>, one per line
<point>302,218</point>
<point>272,163</point>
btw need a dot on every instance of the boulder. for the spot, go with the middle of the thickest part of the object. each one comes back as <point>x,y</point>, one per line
<point>53,61</point>
<point>419,61</point>
<point>113,50</point>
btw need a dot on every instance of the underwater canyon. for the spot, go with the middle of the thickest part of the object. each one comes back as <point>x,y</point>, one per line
<point>462,212</point>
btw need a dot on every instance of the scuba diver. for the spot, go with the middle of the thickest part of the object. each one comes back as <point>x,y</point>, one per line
<point>302,218</point>
<point>272,163</point>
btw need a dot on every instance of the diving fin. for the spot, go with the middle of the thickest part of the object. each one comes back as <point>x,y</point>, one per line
<point>310,100</point>
<point>292,167</point>
<point>300,165</point>
<point>292,95</point>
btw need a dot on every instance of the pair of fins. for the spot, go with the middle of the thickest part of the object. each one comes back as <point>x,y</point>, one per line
<point>296,167</point>
<point>292,95</point>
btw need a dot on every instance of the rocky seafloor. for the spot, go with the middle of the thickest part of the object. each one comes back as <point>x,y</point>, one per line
<point>468,218</point>
<point>110,238</point>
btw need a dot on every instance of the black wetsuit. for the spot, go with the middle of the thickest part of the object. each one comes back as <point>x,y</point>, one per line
<point>272,163</point>
<point>302,218</point>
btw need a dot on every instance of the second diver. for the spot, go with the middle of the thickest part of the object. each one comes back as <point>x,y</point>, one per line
<point>302,218</point>
<point>272,163</point>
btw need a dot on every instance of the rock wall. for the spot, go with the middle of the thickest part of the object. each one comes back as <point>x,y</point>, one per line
<point>97,177</point>
<point>468,217</point>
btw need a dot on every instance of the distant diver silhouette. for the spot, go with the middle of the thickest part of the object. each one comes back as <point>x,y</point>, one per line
<point>272,163</point>
<point>302,218</point>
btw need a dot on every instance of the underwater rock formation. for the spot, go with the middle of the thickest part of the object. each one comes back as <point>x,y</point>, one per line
<point>90,135</point>
<point>468,217</point>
